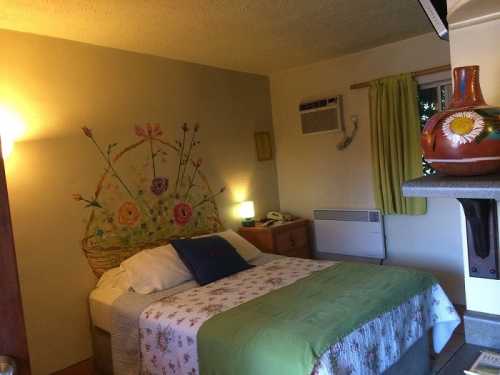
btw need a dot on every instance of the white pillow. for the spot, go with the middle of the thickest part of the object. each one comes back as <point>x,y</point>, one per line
<point>115,278</point>
<point>155,269</point>
<point>242,246</point>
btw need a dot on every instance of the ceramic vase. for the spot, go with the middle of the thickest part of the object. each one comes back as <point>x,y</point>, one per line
<point>464,140</point>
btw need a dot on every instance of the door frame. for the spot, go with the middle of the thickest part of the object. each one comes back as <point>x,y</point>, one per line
<point>13,342</point>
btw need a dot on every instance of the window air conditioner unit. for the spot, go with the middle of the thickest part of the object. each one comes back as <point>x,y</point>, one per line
<point>323,115</point>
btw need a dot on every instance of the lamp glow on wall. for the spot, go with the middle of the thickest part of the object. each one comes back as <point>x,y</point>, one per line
<point>247,213</point>
<point>11,128</point>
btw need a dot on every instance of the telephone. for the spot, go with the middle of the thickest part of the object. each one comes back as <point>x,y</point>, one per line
<point>279,216</point>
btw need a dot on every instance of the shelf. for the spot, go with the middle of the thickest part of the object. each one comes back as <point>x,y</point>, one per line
<point>440,186</point>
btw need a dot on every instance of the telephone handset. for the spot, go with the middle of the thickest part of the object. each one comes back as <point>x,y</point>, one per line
<point>279,216</point>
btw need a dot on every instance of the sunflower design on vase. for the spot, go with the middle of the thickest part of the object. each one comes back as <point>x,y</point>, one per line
<point>464,140</point>
<point>463,127</point>
<point>151,190</point>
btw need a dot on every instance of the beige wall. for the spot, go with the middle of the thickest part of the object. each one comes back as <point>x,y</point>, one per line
<point>313,174</point>
<point>308,164</point>
<point>57,86</point>
<point>472,45</point>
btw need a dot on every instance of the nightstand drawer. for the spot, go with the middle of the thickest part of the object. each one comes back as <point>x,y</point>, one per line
<point>289,240</point>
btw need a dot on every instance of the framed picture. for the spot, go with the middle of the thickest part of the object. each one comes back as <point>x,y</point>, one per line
<point>263,146</point>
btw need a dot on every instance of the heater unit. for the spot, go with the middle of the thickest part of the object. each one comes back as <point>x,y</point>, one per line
<point>358,233</point>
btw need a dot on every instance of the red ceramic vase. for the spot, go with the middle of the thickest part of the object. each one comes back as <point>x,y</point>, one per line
<point>464,140</point>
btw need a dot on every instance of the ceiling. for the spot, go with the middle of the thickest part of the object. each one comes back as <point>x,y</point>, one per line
<point>259,36</point>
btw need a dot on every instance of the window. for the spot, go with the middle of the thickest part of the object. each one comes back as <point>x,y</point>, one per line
<point>432,97</point>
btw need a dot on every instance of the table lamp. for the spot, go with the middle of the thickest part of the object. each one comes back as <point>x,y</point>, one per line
<point>247,213</point>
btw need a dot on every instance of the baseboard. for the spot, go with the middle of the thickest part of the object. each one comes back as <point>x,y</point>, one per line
<point>482,329</point>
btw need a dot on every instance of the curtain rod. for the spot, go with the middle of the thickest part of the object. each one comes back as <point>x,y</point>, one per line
<point>423,72</point>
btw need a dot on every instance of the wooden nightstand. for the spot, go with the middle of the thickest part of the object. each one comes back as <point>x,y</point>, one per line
<point>289,239</point>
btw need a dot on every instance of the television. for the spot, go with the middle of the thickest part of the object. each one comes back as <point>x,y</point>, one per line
<point>436,12</point>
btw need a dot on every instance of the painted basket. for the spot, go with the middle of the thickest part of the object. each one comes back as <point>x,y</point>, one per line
<point>161,196</point>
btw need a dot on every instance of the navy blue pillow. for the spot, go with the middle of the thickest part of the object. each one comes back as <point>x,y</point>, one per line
<point>209,258</point>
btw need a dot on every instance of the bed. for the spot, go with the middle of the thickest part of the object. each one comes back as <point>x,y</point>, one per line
<point>285,315</point>
<point>129,328</point>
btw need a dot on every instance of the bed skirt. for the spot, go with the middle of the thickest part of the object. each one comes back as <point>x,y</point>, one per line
<point>101,345</point>
<point>418,354</point>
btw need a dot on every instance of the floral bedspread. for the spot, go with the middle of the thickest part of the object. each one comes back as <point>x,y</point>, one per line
<point>168,328</point>
<point>380,343</point>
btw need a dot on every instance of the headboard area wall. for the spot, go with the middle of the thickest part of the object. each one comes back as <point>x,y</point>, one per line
<point>58,87</point>
<point>151,191</point>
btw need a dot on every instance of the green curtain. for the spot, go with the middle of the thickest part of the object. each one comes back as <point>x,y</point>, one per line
<point>395,139</point>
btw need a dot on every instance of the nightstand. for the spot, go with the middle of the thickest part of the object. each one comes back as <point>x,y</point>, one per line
<point>290,238</point>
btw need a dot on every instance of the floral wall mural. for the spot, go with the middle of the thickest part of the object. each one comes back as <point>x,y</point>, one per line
<point>151,191</point>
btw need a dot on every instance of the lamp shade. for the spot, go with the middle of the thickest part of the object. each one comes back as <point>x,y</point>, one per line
<point>247,210</point>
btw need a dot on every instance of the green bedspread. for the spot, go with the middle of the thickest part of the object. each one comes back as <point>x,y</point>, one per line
<point>287,330</point>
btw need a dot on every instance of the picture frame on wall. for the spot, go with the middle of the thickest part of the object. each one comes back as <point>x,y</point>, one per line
<point>263,146</point>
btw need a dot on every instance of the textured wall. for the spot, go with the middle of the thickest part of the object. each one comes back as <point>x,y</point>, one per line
<point>59,86</point>
<point>311,168</point>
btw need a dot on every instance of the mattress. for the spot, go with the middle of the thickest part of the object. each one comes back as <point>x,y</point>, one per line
<point>101,302</point>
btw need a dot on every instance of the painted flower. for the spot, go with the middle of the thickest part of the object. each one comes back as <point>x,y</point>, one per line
<point>87,131</point>
<point>90,202</point>
<point>197,163</point>
<point>77,197</point>
<point>148,131</point>
<point>159,185</point>
<point>128,214</point>
<point>182,213</point>
<point>463,127</point>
